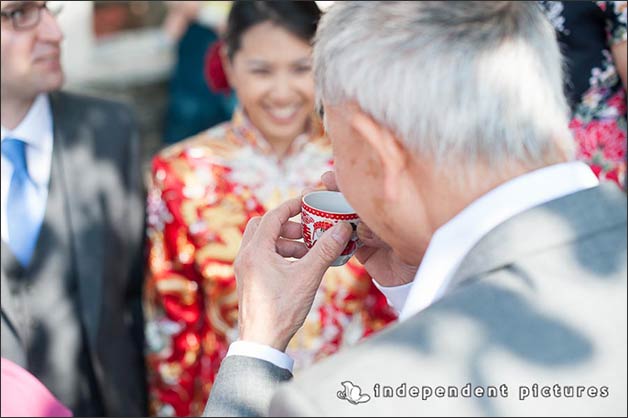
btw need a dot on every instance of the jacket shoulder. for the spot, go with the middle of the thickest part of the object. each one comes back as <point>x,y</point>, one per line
<point>539,321</point>
<point>94,109</point>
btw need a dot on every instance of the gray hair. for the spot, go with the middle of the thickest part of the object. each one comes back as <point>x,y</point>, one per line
<point>457,82</point>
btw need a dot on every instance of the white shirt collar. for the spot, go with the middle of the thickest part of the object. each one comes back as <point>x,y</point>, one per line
<point>35,126</point>
<point>36,129</point>
<point>452,241</point>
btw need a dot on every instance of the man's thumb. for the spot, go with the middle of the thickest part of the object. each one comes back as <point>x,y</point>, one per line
<point>330,245</point>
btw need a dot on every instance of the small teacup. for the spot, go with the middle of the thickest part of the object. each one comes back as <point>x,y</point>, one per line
<point>320,210</point>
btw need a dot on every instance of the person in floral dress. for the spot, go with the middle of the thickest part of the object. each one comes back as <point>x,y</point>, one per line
<point>205,189</point>
<point>593,40</point>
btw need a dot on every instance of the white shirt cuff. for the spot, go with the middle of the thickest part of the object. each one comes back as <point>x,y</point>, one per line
<point>396,295</point>
<point>261,352</point>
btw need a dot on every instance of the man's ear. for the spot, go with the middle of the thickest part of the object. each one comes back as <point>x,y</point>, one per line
<point>388,150</point>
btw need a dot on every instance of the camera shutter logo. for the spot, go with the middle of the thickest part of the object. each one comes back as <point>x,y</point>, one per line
<point>352,393</point>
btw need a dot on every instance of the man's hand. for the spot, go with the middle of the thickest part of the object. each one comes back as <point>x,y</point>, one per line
<point>275,294</point>
<point>379,260</point>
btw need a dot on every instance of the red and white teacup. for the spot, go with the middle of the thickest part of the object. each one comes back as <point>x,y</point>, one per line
<point>320,211</point>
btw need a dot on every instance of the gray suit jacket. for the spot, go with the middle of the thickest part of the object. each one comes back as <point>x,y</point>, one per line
<point>97,143</point>
<point>535,318</point>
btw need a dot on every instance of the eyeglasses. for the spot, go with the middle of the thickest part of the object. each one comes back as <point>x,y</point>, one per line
<point>27,14</point>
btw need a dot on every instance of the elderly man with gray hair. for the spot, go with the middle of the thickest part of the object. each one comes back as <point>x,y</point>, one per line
<point>506,259</point>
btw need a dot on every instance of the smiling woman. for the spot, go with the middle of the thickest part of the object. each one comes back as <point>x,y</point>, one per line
<point>205,190</point>
<point>271,74</point>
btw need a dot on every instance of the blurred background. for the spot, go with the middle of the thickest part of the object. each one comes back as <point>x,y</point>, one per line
<point>150,55</point>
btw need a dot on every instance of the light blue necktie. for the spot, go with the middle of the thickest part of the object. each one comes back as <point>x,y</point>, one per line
<point>24,215</point>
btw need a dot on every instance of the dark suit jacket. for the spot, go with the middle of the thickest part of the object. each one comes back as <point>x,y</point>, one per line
<point>536,311</point>
<point>97,144</point>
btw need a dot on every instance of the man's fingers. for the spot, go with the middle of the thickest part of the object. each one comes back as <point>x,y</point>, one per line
<point>329,180</point>
<point>272,223</point>
<point>287,248</point>
<point>292,230</point>
<point>328,247</point>
<point>250,229</point>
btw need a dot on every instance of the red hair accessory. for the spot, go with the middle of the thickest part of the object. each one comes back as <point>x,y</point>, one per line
<point>214,72</point>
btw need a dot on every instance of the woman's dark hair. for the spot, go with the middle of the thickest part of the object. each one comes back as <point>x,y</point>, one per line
<point>298,17</point>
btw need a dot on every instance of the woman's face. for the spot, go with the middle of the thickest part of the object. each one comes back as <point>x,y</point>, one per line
<point>272,76</point>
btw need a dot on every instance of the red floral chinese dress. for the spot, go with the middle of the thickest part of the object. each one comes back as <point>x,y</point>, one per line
<point>203,192</point>
<point>586,31</point>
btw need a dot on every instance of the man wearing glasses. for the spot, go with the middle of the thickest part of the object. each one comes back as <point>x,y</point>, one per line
<point>72,226</point>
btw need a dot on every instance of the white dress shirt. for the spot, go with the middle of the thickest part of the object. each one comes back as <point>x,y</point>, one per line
<point>453,241</point>
<point>37,132</point>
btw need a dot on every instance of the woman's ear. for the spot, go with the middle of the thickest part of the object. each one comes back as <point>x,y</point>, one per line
<point>387,149</point>
<point>226,64</point>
